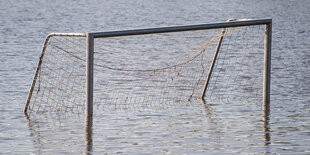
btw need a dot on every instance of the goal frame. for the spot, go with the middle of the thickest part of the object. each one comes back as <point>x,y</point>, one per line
<point>90,41</point>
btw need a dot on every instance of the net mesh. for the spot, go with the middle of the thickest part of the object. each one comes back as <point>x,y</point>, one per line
<point>238,72</point>
<point>155,71</point>
<point>60,85</point>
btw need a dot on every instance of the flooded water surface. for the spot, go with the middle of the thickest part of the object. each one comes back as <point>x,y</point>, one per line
<point>195,128</point>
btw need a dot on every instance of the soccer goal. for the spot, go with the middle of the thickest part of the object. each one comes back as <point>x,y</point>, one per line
<point>153,68</point>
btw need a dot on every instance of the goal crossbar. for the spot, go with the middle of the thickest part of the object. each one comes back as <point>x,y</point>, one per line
<point>181,28</point>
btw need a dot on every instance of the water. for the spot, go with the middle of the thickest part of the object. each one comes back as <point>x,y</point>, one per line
<point>198,129</point>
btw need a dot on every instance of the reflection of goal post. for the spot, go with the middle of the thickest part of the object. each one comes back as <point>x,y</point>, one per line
<point>155,67</point>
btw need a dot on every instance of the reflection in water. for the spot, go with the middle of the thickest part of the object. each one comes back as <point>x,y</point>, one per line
<point>266,118</point>
<point>214,123</point>
<point>60,133</point>
<point>212,129</point>
<point>265,115</point>
<point>32,125</point>
<point>88,129</point>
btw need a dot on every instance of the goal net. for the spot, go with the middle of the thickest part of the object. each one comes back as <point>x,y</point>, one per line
<point>151,71</point>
